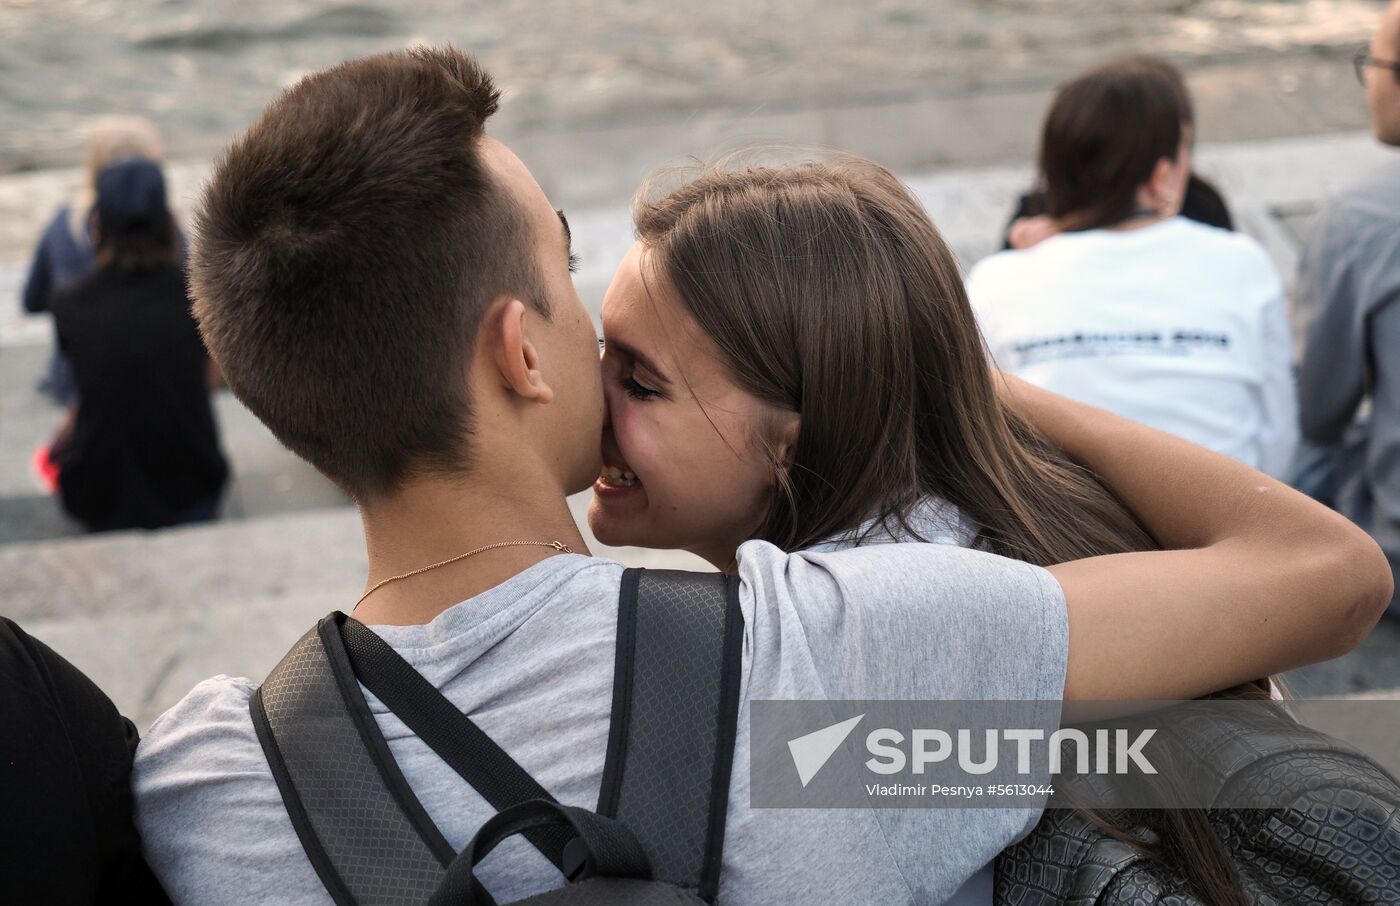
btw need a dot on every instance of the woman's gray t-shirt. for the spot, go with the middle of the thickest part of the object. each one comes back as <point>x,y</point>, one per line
<point>531,661</point>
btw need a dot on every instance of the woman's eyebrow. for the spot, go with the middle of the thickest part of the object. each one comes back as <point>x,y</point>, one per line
<point>633,354</point>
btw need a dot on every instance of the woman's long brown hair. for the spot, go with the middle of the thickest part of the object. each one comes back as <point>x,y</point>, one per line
<point>829,292</point>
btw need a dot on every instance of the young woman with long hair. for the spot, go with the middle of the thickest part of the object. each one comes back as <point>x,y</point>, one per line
<point>790,356</point>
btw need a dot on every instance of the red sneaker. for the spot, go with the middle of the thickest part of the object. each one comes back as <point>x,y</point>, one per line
<point>45,469</point>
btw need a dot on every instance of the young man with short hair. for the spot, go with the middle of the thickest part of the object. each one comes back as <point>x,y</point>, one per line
<point>388,288</point>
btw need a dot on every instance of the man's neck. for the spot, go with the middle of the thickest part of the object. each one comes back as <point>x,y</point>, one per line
<point>439,518</point>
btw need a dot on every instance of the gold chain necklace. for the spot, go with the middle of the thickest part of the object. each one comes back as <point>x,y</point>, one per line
<point>558,549</point>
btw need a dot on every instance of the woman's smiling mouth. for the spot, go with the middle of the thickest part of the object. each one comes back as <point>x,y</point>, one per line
<point>619,479</point>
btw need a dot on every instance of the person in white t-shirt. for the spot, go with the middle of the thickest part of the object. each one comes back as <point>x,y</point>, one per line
<point>1129,306</point>
<point>388,288</point>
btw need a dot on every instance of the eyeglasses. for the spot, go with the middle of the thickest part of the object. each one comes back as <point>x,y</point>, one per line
<point>1363,60</point>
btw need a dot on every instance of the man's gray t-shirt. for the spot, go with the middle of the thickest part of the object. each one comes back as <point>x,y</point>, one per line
<point>531,661</point>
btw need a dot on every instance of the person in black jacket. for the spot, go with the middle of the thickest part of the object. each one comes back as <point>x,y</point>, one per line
<point>64,251</point>
<point>141,449</point>
<point>66,832</point>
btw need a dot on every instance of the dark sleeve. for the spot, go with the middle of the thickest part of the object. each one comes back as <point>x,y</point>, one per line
<point>58,304</point>
<point>1029,204</point>
<point>65,771</point>
<point>37,286</point>
<point>1349,270</point>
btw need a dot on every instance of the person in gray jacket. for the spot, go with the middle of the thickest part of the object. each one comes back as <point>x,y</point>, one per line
<point>1348,287</point>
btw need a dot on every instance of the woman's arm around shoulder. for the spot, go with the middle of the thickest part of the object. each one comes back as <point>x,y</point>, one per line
<point>1256,579</point>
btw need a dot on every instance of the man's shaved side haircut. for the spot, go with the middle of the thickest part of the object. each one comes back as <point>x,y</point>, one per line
<point>345,251</point>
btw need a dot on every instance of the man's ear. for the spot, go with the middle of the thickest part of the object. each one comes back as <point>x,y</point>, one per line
<point>515,357</point>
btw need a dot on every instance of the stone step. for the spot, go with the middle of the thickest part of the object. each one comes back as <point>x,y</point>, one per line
<point>266,478</point>
<point>149,614</point>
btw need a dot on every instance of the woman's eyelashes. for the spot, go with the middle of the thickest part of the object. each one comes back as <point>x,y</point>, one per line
<point>630,385</point>
<point>637,391</point>
<point>574,262</point>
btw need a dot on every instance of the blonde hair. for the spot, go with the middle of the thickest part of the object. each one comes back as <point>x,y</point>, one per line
<point>110,139</point>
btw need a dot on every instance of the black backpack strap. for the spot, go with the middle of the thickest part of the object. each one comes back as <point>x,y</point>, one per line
<point>454,736</point>
<point>674,715</point>
<point>599,847</point>
<point>365,832</point>
<point>349,803</point>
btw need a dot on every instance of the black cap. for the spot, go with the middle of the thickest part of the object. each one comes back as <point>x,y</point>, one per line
<point>131,197</point>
